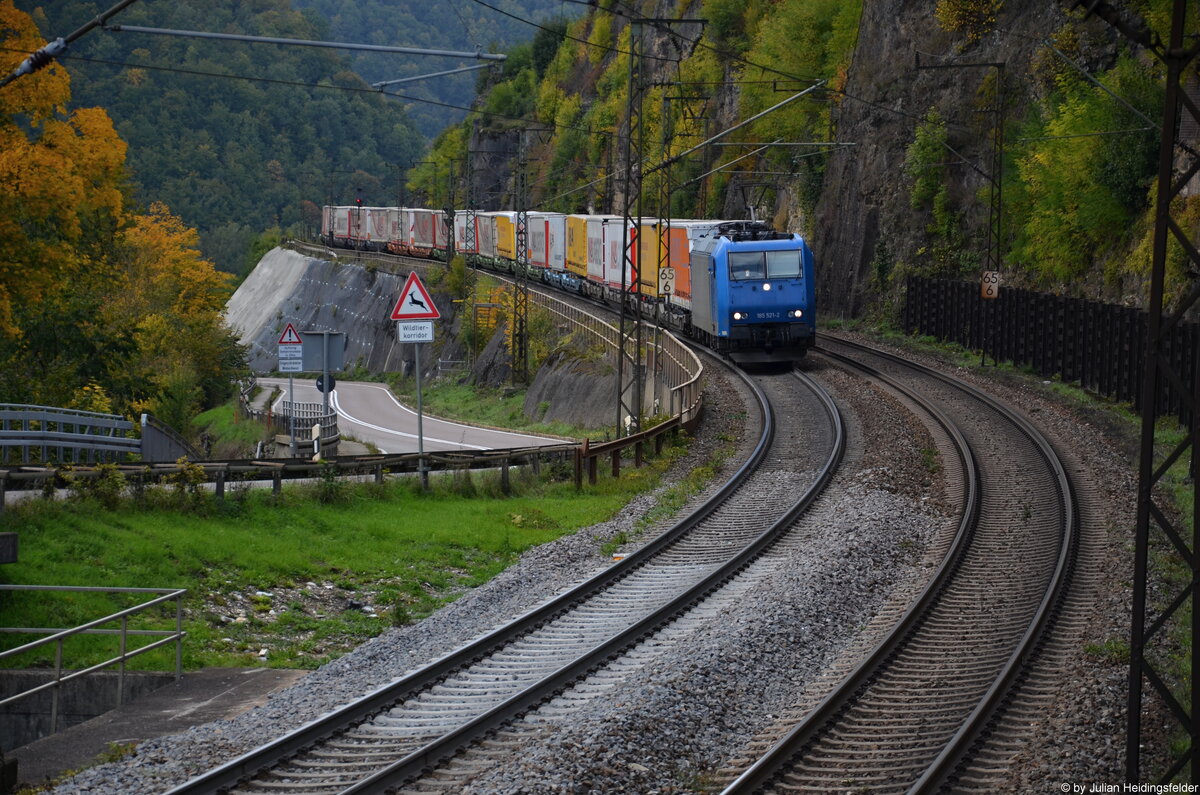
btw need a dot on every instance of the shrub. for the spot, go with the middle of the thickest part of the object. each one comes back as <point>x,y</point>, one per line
<point>972,18</point>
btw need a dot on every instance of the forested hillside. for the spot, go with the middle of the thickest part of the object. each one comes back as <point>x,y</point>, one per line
<point>236,138</point>
<point>459,25</point>
<point>241,138</point>
<point>889,165</point>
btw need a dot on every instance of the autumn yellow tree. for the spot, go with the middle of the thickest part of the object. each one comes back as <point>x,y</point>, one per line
<point>91,294</point>
<point>173,298</point>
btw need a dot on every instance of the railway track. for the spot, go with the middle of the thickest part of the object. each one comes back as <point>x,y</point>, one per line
<point>929,699</point>
<point>393,735</point>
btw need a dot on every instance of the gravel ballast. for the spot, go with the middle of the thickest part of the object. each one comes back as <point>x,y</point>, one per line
<point>693,706</point>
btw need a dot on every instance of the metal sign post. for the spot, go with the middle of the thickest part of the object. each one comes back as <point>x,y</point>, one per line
<point>291,359</point>
<point>414,314</point>
<point>989,291</point>
<point>327,357</point>
<point>292,412</point>
<point>421,468</point>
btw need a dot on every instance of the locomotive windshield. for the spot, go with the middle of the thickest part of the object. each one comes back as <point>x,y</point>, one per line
<point>783,264</point>
<point>746,265</point>
<point>764,264</point>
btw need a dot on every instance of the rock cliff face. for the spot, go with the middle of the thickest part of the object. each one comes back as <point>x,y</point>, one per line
<point>866,193</point>
<point>862,225</point>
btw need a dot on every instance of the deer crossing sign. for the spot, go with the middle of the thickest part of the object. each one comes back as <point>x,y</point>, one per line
<point>415,303</point>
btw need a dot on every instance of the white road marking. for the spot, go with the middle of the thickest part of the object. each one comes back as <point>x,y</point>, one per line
<point>405,408</point>
<point>334,403</point>
<point>342,413</point>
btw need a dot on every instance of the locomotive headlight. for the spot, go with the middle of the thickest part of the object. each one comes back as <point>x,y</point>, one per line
<point>767,288</point>
<point>797,313</point>
<point>739,316</point>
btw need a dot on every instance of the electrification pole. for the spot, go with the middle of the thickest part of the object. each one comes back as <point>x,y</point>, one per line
<point>629,341</point>
<point>664,274</point>
<point>470,239</point>
<point>450,217</point>
<point>520,318</point>
<point>1150,648</point>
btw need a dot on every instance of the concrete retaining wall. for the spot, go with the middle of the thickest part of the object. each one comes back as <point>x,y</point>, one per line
<point>79,700</point>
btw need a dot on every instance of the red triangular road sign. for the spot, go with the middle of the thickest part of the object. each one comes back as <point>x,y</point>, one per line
<point>290,337</point>
<point>415,303</point>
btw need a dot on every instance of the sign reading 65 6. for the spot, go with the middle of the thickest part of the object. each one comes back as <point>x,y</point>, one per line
<point>989,285</point>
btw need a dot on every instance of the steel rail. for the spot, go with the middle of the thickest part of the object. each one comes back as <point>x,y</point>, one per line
<point>424,759</point>
<point>940,773</point>
<point>770,764</point>
<point>271,754</point>
<point>816,723</point>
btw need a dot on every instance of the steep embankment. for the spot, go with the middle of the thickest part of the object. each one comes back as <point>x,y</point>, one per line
<point>318,295</point>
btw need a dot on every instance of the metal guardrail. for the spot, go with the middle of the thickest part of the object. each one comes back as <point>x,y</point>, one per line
<point>584,458</point>
<point>306,415</point>
<point>58,636</point>
<point>46,433</point>
<point>51,435</point>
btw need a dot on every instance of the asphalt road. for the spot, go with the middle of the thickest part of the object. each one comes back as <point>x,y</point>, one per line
<point>370,413</point>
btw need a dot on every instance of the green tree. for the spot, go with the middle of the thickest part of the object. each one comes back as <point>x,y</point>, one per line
<point>99,305</point>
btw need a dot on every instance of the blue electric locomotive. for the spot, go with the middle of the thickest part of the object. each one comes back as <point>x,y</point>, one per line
<point>753,293</point>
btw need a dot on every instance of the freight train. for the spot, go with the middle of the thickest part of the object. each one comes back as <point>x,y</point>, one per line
<point>738,287</point>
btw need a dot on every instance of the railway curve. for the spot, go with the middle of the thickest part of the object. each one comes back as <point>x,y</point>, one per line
<point>911,715</point>
<point>406,727</point>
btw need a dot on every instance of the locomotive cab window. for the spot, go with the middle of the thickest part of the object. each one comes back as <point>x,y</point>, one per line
<point>783,264</point>
<point>746,265</point>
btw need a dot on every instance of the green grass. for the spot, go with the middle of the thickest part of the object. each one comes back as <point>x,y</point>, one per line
<point>233,435</point>
<point>400,550</point>
<point>499,408</point>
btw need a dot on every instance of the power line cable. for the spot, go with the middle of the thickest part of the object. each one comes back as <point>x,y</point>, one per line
<point>56,48</point>
<point>567,36</point>
<point>331,86</point>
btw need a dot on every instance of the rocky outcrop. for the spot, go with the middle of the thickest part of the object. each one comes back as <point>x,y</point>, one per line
<point>573,390</point>
<point>865,197</point>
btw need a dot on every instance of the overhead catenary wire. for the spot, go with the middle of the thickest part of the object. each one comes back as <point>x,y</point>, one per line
<point>101,21</point>
<point>383,83</point>
<point>56,48</point>
<point>567,36</point>
<point>301,84</point>
<point>334,45</point>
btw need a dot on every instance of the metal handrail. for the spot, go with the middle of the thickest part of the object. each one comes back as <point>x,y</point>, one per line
<point>58,636</point>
